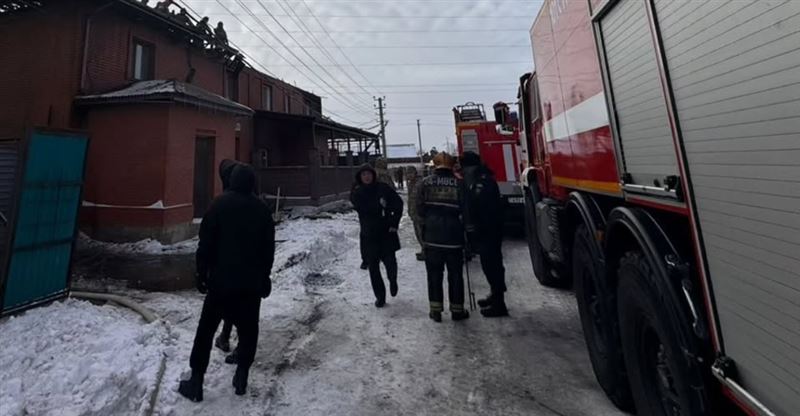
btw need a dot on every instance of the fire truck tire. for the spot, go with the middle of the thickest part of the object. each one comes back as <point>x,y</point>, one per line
<point>597,309</point>
<point>665,381</point>
<point>538,257</point>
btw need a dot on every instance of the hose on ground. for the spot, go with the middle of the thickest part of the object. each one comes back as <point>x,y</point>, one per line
<point>149,316</point>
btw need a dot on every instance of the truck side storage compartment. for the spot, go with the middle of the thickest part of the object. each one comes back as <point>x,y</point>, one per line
<point>734,69</point>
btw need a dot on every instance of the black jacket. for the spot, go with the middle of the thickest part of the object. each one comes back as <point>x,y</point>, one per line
<point>440,202</point>
<point>483,211</point>
<point>379,209</point>
<point>237,239</point>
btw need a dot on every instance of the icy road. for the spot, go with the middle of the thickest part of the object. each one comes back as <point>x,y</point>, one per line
<point>324,349</point>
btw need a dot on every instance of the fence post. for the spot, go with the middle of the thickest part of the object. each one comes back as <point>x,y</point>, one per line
<point>314,175</point>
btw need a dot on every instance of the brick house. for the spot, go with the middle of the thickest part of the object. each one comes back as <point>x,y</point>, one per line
<point>161,109</point>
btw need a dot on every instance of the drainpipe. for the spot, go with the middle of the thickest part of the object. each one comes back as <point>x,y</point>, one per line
<point>87,32</point>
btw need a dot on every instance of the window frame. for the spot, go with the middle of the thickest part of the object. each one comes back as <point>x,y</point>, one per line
<point>147,73</point>
<point>266,99</point>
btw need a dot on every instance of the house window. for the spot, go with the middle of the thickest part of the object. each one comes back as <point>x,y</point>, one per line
<point>266,97</point>
<point>232,86</point>
<point>286,106</point>
<point>307,109</point>
<point>143,61</point>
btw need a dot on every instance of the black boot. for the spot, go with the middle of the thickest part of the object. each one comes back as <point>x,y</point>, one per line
<point>435,316</point>
<point>364,265</point>
<point>240,381</point>
<point>496,309</point>
<point>393,288</point>
<point>233,358</point>
<point>222,342</point>
<point>421,256</point>
<point>192,388</point>
<point>379,303</point>
<point>485,302</point>
<point>459,316</point>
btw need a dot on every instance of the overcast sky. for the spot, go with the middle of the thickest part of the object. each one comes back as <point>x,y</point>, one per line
<point>424,56</point>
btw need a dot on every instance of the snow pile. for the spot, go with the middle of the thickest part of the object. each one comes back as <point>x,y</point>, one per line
<point>311,246</point>
<point>75,358</point>
<point>147,246</point>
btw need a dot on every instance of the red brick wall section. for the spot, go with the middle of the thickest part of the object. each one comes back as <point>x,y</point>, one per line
<point>186,123</point>
<point>110,63</point>
<point>125,166</point>
<point>39,68</point>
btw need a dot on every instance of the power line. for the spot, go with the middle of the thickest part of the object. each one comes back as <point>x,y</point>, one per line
<point>241,3</point>
<point>262,66</point>
<point>406,31</point>
<point>249,11</point>
<point>346,57</point>
<point>313,38</point>
<point>394,16</point>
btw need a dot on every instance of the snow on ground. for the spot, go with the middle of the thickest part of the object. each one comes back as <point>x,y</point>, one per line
<point>324,349</point>
<point>146,246</point>
<point>75,358</point>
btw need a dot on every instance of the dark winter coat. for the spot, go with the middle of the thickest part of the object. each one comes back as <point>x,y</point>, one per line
<point>440,202</point>
<point>379,209</point>
<point>237,240</point>
<point>483,211</point>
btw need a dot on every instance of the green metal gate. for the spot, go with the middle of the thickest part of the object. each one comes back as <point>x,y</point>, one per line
<point>42,222</point>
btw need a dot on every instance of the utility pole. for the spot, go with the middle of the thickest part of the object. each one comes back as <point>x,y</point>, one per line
<point>382,132</point>
<point>419,136</point>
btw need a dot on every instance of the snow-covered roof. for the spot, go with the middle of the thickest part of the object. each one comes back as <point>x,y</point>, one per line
<point>170,90</point>
<point>401,151</point>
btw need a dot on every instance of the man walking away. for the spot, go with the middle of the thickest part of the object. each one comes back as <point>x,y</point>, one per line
<point>379,211</point>
<point>413,182</point>
<point>484,218</point>
<point>439,205</point>
<point>234,260</point>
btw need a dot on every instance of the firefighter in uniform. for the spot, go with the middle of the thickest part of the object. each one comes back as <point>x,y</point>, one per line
<point>413,181</point>
<point>439,205</point>
<point>484,223</point>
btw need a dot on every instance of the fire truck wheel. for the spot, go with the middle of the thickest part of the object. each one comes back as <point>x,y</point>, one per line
<point>538,259</point>
<point>664,380</point>
<point>597,308</point>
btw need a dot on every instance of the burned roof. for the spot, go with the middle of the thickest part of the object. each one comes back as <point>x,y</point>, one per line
<point>158,91</point>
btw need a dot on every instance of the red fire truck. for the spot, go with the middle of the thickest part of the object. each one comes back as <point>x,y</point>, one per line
<point>662,139</point>
<point>497,142</point>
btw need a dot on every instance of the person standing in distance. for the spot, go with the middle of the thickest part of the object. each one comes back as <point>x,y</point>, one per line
<point>379,212</point>
<point>440,203</point>
<point>234,261</point>
<point>484,221</point>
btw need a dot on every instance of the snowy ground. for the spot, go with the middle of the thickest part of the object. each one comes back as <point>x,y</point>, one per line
<point>324,349</point>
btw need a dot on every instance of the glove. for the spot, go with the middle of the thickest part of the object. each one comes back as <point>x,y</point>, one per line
<point>201,284</point>
<point>266,288</point>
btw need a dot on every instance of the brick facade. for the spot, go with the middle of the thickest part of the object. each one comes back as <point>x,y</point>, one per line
<point>140,170</point>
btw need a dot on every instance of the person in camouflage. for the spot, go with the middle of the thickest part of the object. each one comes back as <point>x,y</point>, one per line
<point>413,179</point>
<point>382,169</point>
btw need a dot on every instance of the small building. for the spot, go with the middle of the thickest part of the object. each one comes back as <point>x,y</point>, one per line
<point>163,104</point>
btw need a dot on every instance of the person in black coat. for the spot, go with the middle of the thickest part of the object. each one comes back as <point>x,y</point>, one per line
<point>234,261</point>
<point>440,203</point>
<point>484,222</point>
<point>379,211</point>
<point>223,340</point>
